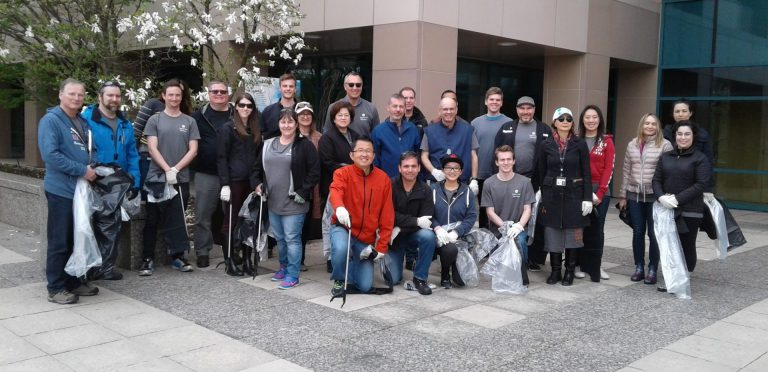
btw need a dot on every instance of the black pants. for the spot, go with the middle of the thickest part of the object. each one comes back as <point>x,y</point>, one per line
<point>688,241</point>
<point>169,216</point>
<point>483,215</point>
<point>448,254</point>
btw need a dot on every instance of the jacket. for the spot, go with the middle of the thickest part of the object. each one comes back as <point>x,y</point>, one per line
<point>64,151</point>
<point>334,153</point>
<point>118,147</point>
<point>305,167</point>
<point>389,143</point>
<point>409,207</point>
<point>368,198</point>
<point>419,120</point>
<point>235,156</point>
<point>462,207</point>
<point>561,205</point>
<point>205,161</point>
<point>685,174</point>
<point>601,161</point>
<point>506,136</point>
<point>702,144</point>
<point>270,119</point>
<point>638,168</point>
<point>456,140</point>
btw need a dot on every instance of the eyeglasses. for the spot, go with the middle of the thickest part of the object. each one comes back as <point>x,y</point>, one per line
<point>452,169</point>
<point>218,92</point>
<point>355,85</point>
<point>342,115</point>
<point>363,151</point>
<point>245,105</point>
<point>564,119</point>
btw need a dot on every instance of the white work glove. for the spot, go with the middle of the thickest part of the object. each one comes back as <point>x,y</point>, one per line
<point>368,253</point>
<point>586,208</point>
<point>453,237</point>
<point>709,197</point>
<point>474,187</point>
<point>342,215</point>
<point>395,232</point>
<point>595,200</point>
<point>668,201</point>
<point>298,199</point>
<point>438,174</point>
<point>424,222</point>
<point>225,193</point>
<point>170,176</point>
<point>442,237</point>
<point>514,230</point>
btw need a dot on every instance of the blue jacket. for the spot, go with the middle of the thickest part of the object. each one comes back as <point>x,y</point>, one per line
<point>457,140</point>
<point>114,147</point>
<point>462,207</point>
<point>64,151</point>
<point>389,144</point>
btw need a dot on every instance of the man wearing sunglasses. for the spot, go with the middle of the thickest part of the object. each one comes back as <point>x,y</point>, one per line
<point>366,115</point>
<point>210,119</point>
<point>271,115</point>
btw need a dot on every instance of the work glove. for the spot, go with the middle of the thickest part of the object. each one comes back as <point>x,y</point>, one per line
<point>586,208</point>
<point>595,199</point>
<point>395,232</point>
<point>368,253</point>
<point>442,237</point>
<point>709,197</point>
<point>132,193</point>
<point>474,187</point>
<point>170,176</point>
<point>668,201</point>
<point>438,174</point>
<point>225,193</point>
<point>514,230</point>
<point>342,215</point>
<point>298,199</point>
<point>424,222</point>
<point>453,237</point>
<point>538,195</point>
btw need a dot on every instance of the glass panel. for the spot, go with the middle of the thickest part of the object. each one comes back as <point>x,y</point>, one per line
<point>473,78</point>
<point>688,28</point>
<point>742,32</point>
<point>685,82</point>
<point>722,81</point>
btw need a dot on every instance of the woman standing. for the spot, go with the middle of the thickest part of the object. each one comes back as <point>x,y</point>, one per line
<point>286,171</point>
<point>679,182</point>
<point>602,154</point>
<point>642,155</point>
<point>238,141</point>
<point>566,194</point>
<point>312,220</point>
<point>454,203</point>
<point>683,111</point>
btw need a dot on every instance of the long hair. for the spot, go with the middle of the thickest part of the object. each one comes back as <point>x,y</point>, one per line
<point>186,100</point>
<point>600,122</point>
<point>253,120</point>
<point>640,137</point>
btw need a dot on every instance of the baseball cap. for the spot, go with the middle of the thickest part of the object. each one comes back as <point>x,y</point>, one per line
<point>452,158</point>
<point>560,111</point>
<point>525,100</point>
<point>304,106</point>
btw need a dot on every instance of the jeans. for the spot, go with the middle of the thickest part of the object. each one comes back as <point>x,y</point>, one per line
<point>61,239</point>
<point>360,271</point>
<point>424,241</point>
<point>641,214</point>
<point>287,230</point>
<point>522,240</point>
<point>170,216</point>
<point>206,201</point>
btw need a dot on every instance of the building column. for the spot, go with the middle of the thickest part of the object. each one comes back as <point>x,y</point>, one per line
<point>416,54</point>
<point>574,81</point>
<point>5,128</point>
<point>33,111</point>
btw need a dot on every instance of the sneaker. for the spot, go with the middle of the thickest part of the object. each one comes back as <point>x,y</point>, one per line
<point>64,297</point>
<point>112,275</point>
<point>304,268</point>
<point>338,286</point>
<point>422,286</point>
<point>85,289</point>
<point>147,267</point>
<point>203,261</point>
<point>604,275</point>
<point>181,264</point>
<point>279,275</point>
<point>532,266</point>
<point>289,282</point>
<point>580,274</point>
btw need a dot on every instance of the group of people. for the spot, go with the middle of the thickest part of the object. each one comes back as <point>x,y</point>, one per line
<point>405,189</point>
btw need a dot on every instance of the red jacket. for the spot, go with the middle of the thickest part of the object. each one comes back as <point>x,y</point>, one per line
<point>368,198</point>
<point>601,160</point>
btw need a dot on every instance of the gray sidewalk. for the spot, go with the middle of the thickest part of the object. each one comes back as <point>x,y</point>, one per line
<point>205,320</point>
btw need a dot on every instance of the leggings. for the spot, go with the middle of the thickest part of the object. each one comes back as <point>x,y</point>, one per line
<point>688,241</point>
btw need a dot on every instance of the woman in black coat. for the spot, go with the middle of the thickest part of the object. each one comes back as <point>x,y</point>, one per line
<point>566,194</point>
<point>682,175</point>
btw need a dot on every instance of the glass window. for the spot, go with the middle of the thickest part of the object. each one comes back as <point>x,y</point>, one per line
<point>687,37</point>
<point>742,32</point>
<point>473,78</point>
<point>749,81</point>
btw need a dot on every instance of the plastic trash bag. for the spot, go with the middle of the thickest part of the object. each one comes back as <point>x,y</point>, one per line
<point>735,236</point>
<point>671,251</point>
<point>158,192</point>
<point>130,208</point>
<point>246,229</point>
<point>504,266</point>
<point>85,253</point>
<point>482,241</point>
<point>531,231</point>
<point>110,189</point>
<point>718,216</point>
<point>467,265</point>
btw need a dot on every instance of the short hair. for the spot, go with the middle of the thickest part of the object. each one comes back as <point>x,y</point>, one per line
<point>336,107</point>
<point>600,123</point>
<point>352,73</point>
<point>686,123</point>
<point>214,82</point>
<point>363,139</point>
<point>287,76</point>
<point>503,148</point>
<point>396,96</point>
<point>409,155</point>
<point>442,95</point>
<point>288,113</point>
<point>70,81</point>
<point>640,137</point>
<point>403,89</point>
<point>108,84</point>
<point>494,90</point>
<point>685,102</point>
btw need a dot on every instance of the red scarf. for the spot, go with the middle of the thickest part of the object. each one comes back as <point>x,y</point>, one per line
<point>561,143</point>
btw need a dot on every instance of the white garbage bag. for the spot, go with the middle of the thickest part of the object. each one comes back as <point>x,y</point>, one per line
<point>504,266</point>
<point>671,252</point>
<point>85,253</point>
<point>718,215</point>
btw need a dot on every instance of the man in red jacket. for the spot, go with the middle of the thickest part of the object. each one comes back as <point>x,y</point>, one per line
<point>361,196</point>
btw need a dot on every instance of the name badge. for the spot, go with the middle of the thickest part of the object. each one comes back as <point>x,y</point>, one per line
<point>560,181</point>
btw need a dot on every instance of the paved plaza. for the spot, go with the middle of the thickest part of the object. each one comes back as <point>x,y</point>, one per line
<point>207,321</point>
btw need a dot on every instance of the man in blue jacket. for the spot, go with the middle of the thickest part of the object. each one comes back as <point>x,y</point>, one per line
<point>63,139</point>
<point>393,137</point>
<point>115,144</point>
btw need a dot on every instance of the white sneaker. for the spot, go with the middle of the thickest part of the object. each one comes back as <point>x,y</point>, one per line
<point>579,274</point>
<point>604,275</point>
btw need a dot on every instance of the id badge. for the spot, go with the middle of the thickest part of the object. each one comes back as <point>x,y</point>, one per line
<point>560,181</point>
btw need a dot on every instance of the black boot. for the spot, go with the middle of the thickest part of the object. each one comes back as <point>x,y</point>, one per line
<point>556,261</point>
<point>248,268</point>
<point>524,271</point>
<point>229,264</point>
<point>570,267</point>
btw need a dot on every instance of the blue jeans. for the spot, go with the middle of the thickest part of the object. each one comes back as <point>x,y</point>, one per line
<point>522,240</point>
<point>287,231</point>
<point>61,239</point>
<point>641,214</point>
<point>423,241</point>
<point>360,271</point>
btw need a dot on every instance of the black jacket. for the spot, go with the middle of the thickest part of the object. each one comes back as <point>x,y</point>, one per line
<point>506,136</point>
<point>686,174</point>
<point>270,120</point>
<point>409,207</point>
<point>702,143</point>
<point>561,205</point>
<point>334,151</point>
<point>305,167</point>
<point>205,161</point>
<point>235,156</point>
<point>419,120</point>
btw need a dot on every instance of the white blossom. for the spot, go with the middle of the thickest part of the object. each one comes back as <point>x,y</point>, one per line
<point>151,54</point>
<point>49,47</point>
<point>28,32</point>
<point>193,61</point>
<point>4,52</point>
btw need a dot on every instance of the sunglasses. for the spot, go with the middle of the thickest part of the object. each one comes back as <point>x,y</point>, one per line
<point>218,92</point>
<point>245,105</point>
<point>355,85</point>
<point>109,84</point>
<point>564,119</point>
<point>302,105</point>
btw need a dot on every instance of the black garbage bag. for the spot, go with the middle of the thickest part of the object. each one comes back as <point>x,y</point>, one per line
<point>110,187</point>
<point>246,230</point>
<point>735,236</point>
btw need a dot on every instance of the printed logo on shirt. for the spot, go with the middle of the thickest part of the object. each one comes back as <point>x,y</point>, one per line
<point>516,193</point>
<point>363,117</point>
<point>533,135</point>
<point>507,131</point>
<point>76,140</point>
<point>599,149</point>
<point>183,128</point>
